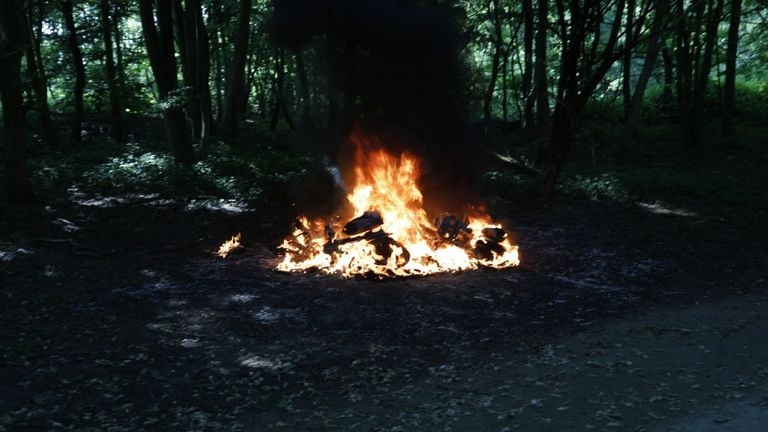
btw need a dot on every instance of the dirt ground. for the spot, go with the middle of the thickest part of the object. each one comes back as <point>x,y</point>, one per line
<point>115,315</point>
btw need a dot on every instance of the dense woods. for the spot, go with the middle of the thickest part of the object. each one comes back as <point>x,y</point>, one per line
<point>383,215</point>
<point>531,78</point>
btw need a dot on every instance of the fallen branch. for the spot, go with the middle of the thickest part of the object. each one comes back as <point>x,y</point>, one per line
<point>520,166</point>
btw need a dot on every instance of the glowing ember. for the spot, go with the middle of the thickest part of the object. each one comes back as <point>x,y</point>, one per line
<point>390,233</point>
<point>229,246</point>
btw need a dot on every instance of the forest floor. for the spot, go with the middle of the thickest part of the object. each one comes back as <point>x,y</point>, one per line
<point>624,316</point>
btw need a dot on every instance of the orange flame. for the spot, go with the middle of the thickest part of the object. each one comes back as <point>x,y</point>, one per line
<point>387,184</point>
<point>229,246</point>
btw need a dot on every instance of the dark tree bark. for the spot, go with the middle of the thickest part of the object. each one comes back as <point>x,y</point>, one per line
<point>652,53</point>
<point>497,53</point>
<point>586,57</point>
<point>626,64</point>
<point>118,35</point>
<point>729,90</point>
<point>77,59</point>
<point>301,71</point>
<point>669,78</point>
<point>280,107</point>
<point>527,84</point>
<point>38,78</point>
<point>195,58</point>
<point>236,84</point>
<point>159,41</point>
<point>696,35</point>
<point>540,70</point>
<point>111,70</point>
<point>13,38</point>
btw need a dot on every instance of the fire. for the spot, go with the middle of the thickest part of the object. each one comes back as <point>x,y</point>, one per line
<point>392,235</point>
<point>229,246</point>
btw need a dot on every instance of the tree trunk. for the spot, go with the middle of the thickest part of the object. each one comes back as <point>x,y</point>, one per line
<point>159,41</point>
<point>633,113</point>
<point>696,38</point>
<point>729,91</point>
<point>669,78</point>
<point>118,35</point>
<point>280,106</point>
<point>527,84</point>
<point>582,68</point>
<point>301,71</point>
<point>235,86</point>
<point>193,47</point>
<point>497,52</point>
<point>626,64</point>
<point>77,59</point>
<point>540,71</point>
<point>13,38</point>
<point>203,73</point>
<point>37,77</point>
<point>112,81</point>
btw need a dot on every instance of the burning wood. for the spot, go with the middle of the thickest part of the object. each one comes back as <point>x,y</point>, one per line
<point>229,246</point>
<point>389,233</point>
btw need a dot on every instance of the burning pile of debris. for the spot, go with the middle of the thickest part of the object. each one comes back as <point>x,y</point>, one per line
<point>362,246</point>
<point>389,233</point>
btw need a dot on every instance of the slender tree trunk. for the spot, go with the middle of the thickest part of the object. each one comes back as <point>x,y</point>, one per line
<point>118,35</point>
<point>729,91</point>
<point>112,80</point>
<point>540,71</point>
<point>669,78</point>
<point>77,58</point>
<point>696,38</point>
<point>626,65</point>
<point>301,71</point>
<point>202,72</point>
<point>497,53</point>
<point>159,41</point>
<point>582,69</point>
<point>13,38</point>
<point>36,71</point>
<point>218,78</point>
<point>236,85</point>
<point>185,43</point>
<point>279,93</point>
<point>633,114</point>
<point>527,84</point>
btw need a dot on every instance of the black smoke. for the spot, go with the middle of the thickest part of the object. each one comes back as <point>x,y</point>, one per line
<point>397,70</point>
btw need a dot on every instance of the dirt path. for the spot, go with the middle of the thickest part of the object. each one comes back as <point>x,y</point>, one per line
<point>118,317</point>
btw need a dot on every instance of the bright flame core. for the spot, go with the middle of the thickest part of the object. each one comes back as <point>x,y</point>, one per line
<point>388,185</point>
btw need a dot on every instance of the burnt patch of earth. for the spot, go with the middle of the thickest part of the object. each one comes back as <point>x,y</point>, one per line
<point>119,316</point>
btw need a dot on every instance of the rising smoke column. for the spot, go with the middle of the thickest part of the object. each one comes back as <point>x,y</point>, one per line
<point>397,71</point>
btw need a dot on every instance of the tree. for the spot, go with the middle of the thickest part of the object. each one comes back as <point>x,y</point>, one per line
<point>541,84</point>
<point>695,38</point>
<point>527,85</point>
<point>196,65</point>
<point>729,90</point>
<point>111,72</point>
<point>77,58</point>
<point>498,51</point>
<point>236,83</point>
<point>13,40</point>
<point>278,92</point>
<point>586,57</point>
<point>37,76</point>
<point>159,41</point>
<point>636,98</point>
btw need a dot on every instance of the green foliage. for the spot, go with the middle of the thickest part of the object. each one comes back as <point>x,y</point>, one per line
<point>605,186</point>
<point>231,170</point>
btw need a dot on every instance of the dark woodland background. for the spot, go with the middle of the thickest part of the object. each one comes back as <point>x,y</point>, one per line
<point>622,142</point>
<point>237,98</point>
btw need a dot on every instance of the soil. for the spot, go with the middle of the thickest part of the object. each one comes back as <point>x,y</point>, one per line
<point>116,315</point>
